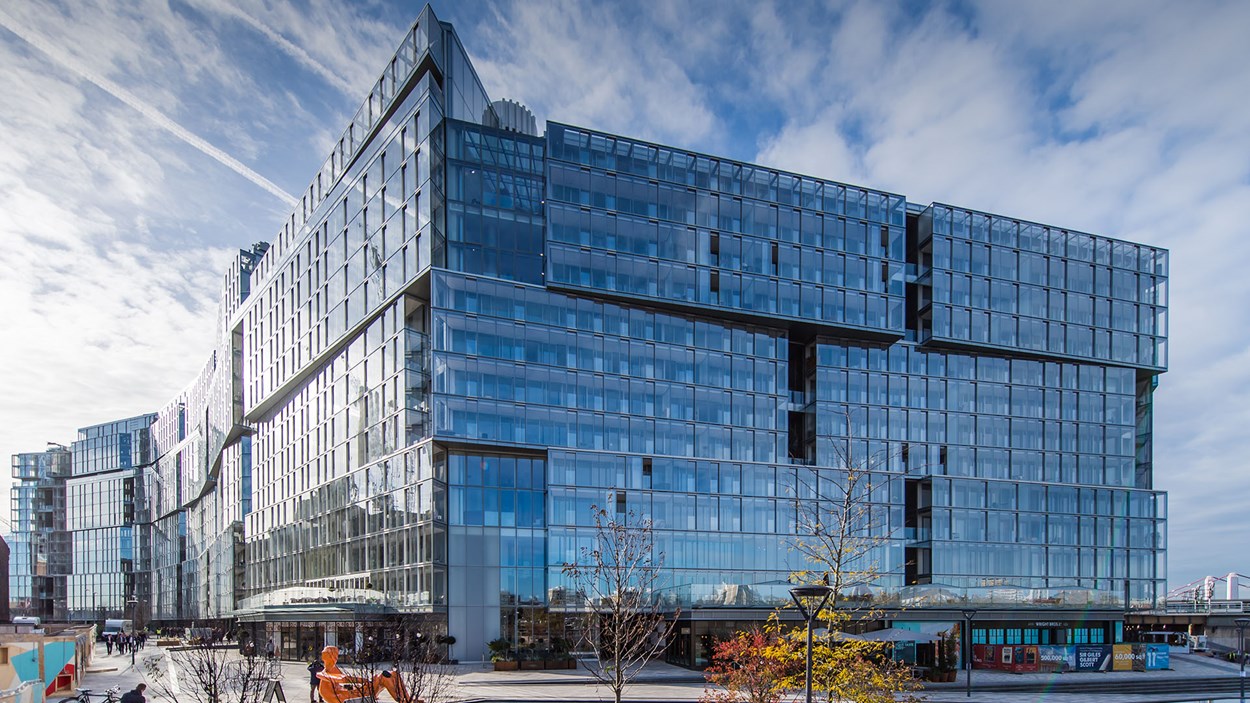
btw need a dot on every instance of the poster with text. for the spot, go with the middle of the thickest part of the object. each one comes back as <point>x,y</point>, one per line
<point>1093,657</point>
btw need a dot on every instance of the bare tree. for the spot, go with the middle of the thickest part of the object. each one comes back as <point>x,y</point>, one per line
<point>205,674</point>
<point>616,579</point>
<point>419,662</point>
<point>840,533</point>
<point>407,663</point>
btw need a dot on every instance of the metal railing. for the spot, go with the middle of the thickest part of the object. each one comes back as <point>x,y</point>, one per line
<point>1179,607</point>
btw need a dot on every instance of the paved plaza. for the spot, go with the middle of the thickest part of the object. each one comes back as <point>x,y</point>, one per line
<point>663,682</point>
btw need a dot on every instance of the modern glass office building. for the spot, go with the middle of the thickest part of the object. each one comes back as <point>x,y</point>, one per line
<point>103,499</point>
<point>467,333</point>
<point>39,558</point>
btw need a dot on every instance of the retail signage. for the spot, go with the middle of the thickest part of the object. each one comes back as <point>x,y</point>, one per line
<point>1093,657</point>
<point>1028,658</point>
<point>1023,658</point>
<point>1051,657</point>
<point>1140,657</point>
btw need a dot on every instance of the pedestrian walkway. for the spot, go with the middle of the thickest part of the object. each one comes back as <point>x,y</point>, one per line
<point>107,670</point>
<point>656,672</point>
<point>662,682</point>
<point>1184,667</point>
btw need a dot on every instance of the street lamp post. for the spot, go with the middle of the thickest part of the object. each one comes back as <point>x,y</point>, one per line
<point>1242,624</point>
<point>134,607</point>
<point>968,615</point>
<point>798,593</point>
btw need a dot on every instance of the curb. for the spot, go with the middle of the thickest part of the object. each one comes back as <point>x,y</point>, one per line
<point>684,680</point>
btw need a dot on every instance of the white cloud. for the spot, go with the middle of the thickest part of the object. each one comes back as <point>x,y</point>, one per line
<point>115,233</point>
<point>96,320</point>
<point>814,147</point>
<point>295,51</point>
<point>576,63</point>
<point>340,37</point>
<point>148,111</point>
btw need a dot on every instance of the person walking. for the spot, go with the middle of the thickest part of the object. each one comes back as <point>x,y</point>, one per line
<point>269,649</point>
<point>135,695</point>
<point>316,667</point>
<point>108,643</point>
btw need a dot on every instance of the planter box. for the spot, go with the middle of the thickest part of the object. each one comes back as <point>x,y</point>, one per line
<point>532,665</point>
<point>561,663</point>
<point>506,666</point>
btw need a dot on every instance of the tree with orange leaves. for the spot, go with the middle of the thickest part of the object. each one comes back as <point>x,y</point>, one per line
<point>754,666</point>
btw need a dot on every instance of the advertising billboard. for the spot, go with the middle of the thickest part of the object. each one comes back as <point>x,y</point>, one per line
<point>1030,658</point>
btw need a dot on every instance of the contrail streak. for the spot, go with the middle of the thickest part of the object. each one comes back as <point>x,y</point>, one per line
<point>290,48</point>
<point>157,117</point>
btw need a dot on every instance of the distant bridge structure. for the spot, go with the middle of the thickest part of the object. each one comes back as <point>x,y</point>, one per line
<point>1211,594</point>
<point>1207,609</point>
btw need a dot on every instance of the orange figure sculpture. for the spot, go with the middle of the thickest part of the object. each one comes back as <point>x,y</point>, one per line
<point>337,687</point>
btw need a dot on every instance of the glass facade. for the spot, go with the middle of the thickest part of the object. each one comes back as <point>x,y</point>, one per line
<point>996,281</point>
<point>464,336</point>
<point>600,375</point>
<point>494,202</point>
<point>39,547</point>
<point>102,502</point>
<point>663,225</point>
<point>1027,467</point>
<point>116,445</point>
<point>348,500</point>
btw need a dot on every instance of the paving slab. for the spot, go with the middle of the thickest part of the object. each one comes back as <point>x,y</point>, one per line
<point>661,682</point>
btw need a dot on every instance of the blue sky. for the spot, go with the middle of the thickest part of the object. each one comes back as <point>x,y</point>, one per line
<point>144,141</point>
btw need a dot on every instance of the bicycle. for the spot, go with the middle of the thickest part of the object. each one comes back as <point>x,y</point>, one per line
<point>112,695</point>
